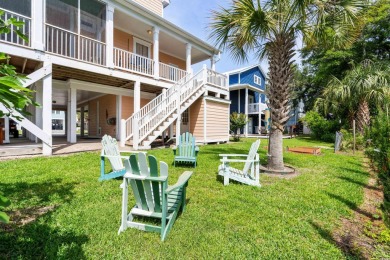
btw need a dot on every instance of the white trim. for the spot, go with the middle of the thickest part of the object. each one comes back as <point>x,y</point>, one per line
<point>239,100</point>
<point>118,116</point>
<point>97,118</point>
<point>73,112</point>
<point>219,100</point>
<point>204,120</point>
<point>243,86</point>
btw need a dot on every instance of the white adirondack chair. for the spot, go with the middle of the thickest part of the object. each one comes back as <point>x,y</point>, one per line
<point>110,150</point>
<point>250,174</point>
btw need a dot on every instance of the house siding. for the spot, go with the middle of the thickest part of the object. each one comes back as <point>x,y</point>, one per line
<point>197,119</point>
<point>152,5</point>
<point>128,106</point>
<point>234,99</point>
<point>107,109</point>
<point>123,40</point>
<point>170,60</point>
<point>247,77</point>
<point>233,79</point>
<point>217,121</point>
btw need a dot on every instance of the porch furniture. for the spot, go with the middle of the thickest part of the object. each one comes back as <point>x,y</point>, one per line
<point>154,198</point>
<point>250,174</point>
<point>186,151</point>
<point>110,150</point>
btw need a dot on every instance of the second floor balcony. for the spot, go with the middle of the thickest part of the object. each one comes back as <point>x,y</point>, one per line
<point>256,108</point>
<point>110,36</point>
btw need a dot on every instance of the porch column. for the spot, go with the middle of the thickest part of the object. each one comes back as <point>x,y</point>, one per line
<point>188,57</point>
<point>47,101</point>
<point>73,114</point>
<point>67,120</point>
<point>246,112</point>
<point>156,51</point>
<point>82,121</point>
<point>137,96</point>
<point>171,131</point>
<point>38,110</point>
<point>118,116</point>
<point>213,62</point>
<point>6,129</point>
<point>110,36</point>
<point>37,25</point>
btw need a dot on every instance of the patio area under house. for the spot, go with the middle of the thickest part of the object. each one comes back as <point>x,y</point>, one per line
<point>113,67</point>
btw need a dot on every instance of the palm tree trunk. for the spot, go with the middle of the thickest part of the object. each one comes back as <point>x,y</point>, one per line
<point>362,116</point>
<point>280,77</point>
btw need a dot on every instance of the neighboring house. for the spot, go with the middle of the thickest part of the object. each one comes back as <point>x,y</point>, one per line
<point>121,61</point>
<point>58,122</point>
<point>247,95</point>
<point>294,124</point>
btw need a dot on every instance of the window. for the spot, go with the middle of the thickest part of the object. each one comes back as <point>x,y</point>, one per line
<point>257,80</point>
<point>142,48</point>
<point>184,117</point>
<point>22,7</point>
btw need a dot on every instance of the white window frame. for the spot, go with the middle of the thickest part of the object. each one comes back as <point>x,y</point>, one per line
<point>257,80</point>
<point>140,41</point>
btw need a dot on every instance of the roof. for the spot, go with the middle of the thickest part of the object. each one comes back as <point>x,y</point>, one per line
<point>240,70</point>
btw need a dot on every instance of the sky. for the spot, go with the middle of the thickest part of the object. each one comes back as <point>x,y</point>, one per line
<point>193,16</point>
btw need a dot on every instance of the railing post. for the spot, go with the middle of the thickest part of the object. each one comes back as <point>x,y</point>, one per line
<point>122,132</point>
<point>38,26</point>
<point>204,74</point>
<point>135,133</point>
<point>110,36</point>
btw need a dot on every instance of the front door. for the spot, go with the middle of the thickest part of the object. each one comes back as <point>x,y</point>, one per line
<point>250,125</point>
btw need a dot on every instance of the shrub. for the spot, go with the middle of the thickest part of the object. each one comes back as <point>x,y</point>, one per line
<point>321,128</point>
<point>347,141</point>
<point>378,151</point>
<point>237,121</point>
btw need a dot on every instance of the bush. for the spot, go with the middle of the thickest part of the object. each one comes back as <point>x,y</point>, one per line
<point>378,151</point>
<point>321,128</point>
<point>347,141</point>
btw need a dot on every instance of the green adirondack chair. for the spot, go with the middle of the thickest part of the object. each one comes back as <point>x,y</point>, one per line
<point>186,151</point>
<point>110,150</point>
<point>154,198</point>
<point>250,174</point>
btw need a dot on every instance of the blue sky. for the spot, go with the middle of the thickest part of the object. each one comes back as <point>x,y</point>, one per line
<point>193,16</point>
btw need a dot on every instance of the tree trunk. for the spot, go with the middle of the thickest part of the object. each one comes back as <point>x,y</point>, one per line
<point>280,76</point>
<point>362,116</point>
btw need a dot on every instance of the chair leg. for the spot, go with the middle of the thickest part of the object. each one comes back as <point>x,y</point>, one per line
<point>125,194</point>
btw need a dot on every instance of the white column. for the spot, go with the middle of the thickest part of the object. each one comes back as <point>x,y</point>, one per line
<point>82,121</point>
<point>110,36</point>
<point>171,131</point>
<point>37,25</point>
<point>73,113</point>
<point>6,129</point>
<point>246,111</point>
<point>118,116</point>
<point>188,57</point>
<point>156,51</point>
<point>137,96</point>
<point>213,62</point>
<point>47,111</point>
<point>67,116</point>
<point>38,110</point>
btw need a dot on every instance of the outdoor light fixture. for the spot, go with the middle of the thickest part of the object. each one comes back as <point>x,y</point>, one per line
<point>149,31</point>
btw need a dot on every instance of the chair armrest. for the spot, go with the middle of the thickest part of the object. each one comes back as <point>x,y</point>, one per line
<point>141,177</point>
<point>234,160</point>
<point>116,156</point>
<point>183,179</point>
<point>233,155</point>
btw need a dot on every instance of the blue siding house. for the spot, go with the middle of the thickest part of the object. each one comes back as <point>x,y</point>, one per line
<point>247,95</point>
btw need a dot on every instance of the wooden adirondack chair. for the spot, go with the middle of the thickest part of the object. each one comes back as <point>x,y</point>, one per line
<point>110,150</point>
<point>250,174</point>
<point>186,151</point>
<point>154,198</point>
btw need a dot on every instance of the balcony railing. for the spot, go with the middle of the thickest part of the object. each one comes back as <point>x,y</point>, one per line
<point>171,73</point>
<point>69,44</point>
<point>217,79</point>
<point>132,62</point>
<point>12,37</point>
<point>255,108</point>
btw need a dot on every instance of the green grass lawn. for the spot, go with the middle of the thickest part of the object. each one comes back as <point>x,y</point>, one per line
<point>283,219</point>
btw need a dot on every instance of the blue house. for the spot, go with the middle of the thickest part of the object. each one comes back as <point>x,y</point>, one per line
<point>247,95</point>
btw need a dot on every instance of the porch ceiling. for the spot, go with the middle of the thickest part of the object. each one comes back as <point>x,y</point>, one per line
<point>168,44</point>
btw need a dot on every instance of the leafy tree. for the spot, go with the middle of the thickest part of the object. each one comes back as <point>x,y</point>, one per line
<point>366,85</point>
<point>237,121</point>
<point>271,28</point>
<point>13,95</point>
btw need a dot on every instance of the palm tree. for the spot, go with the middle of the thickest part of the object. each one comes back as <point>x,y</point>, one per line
<point>271,28</point>
<point>365,85</point>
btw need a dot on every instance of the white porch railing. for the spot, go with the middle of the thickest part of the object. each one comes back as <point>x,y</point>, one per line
<point>217,79</point>
<point>171,73</point>
<point>132,62</point>
<point>69,44</point>
<point>12,37</point>
<point>255,108</point>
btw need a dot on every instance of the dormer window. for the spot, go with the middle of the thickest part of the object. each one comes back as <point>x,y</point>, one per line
<point>257,80</point>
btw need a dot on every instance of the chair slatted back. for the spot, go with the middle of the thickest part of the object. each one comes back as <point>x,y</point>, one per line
<point>111,148</point>
<point>187,145</point>
<point>251,156</point>
<point>147,192</point>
